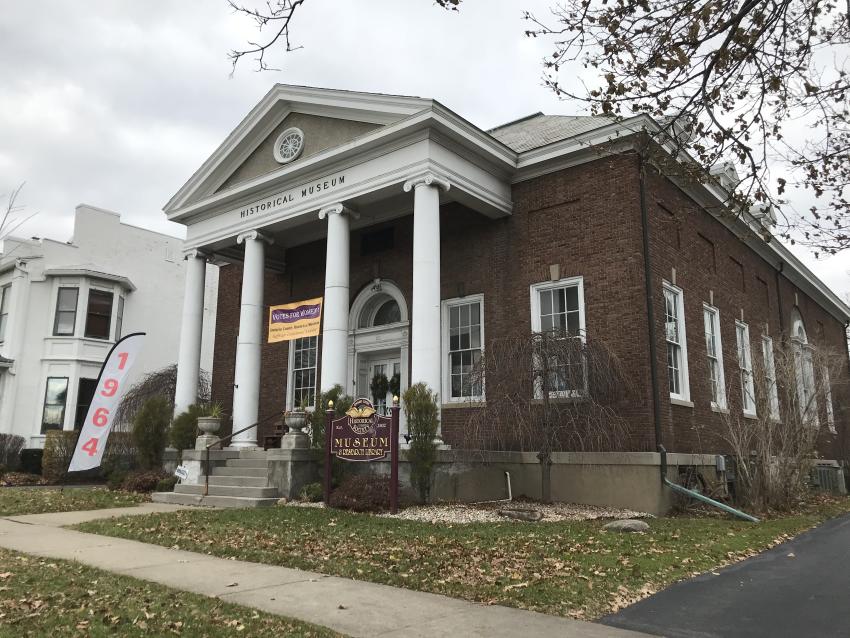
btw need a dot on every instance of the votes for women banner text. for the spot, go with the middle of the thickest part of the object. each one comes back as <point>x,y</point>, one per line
<point>295,320</point>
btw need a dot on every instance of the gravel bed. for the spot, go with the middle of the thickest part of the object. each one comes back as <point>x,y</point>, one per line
<point>461,513</point>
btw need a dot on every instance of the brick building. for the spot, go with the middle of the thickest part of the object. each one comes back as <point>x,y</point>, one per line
<point>428,238</point>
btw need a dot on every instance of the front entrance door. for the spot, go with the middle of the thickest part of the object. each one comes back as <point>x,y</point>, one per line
<point>388,366</point>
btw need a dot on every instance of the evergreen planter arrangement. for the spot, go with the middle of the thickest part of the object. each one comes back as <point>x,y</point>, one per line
<point>379,387</point>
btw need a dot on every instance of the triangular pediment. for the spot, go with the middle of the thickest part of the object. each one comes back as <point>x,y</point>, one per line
<point>327,117</point>
<point>319,133</point>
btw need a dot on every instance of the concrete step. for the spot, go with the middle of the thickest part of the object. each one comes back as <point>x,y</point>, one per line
<point>252,454</point>
<point>228,490</point>
<point>240,481</point>
<point>211,501</point>
<point>240,471</point>
<point>247,463</point>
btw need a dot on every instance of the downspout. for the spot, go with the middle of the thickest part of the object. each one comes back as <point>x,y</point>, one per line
<point>653,364</point>
<point>650,310</point>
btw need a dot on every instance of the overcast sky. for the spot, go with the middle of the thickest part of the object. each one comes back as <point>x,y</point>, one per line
<point>115,103</point>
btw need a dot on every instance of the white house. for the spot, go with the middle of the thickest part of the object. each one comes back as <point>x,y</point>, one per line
<point>63,305</point>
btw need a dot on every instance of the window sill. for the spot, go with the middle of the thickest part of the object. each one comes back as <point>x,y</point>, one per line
<point>719,409</point>
<point>750,415</point>
<point>476,403</point>
<point>561,399</point>
<point>681,402</point>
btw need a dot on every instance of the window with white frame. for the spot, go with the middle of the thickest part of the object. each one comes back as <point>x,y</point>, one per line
<point>804,372</point>
<point>5,300</point>
<point>119,320</point>
<point>827,396</point>
<point>463,341</point>
<point>714,352</point>
<point>303,354</point>
<point>677,346</point>
<point>770,377</point>
<point>745,363</point>
<point>557,312</point>
<point>66,311</point>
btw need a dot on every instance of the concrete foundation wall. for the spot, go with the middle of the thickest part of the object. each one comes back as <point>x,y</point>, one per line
<point>629,480</point>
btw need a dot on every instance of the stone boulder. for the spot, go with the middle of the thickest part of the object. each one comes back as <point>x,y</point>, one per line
<point>626,525</point>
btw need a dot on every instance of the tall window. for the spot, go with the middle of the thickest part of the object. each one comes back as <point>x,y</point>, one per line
<point>66,312</point>
<point>5,300</point>
<point>55,397</point>
<point>99,314</point>
<point>804,371</point>
<point>303,370</point>
<point>85,394</point>
<point>770,377</point>
<point>677,347</point>
<point>745,363</point>
<point>463,339</point>
<point>714,351</point>
<point>119,320</point>
<point>827,396</point>
<point>557,311</point>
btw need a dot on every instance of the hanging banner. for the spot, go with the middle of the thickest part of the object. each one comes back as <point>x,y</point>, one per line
<point>295,320</point>
<point>111,386</point>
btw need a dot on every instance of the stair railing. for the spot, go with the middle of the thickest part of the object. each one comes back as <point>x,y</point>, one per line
<point>221,441</point>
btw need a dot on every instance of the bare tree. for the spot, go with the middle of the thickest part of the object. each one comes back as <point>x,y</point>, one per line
<point>729,79</point>
<point>765,84</point>
<point>775,444</point>
<point>161,383</point>
<point>12,216</point>
<point>273,19</point>
<point>547,392</point>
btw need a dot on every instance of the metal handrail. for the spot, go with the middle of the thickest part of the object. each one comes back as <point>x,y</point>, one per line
<point>222,440</point>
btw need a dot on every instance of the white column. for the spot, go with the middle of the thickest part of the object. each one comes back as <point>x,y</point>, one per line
<point>426,357</point>
<point>246,391</point>
<point>335,312</point>
<point>191,331</point>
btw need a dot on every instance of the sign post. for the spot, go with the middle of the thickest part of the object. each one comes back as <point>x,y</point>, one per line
<point>394,458</point>
<point>329,417</point>
<point>363,435</point>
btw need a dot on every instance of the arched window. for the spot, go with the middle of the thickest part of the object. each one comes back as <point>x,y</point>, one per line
<point>804,369</point>
<point>387,313</point>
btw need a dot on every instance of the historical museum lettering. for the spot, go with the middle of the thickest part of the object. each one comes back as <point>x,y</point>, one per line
<point>280,200</point>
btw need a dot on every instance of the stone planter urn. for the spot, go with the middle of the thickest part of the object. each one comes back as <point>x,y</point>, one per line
<point>209,424</point>
<point>296,421</point>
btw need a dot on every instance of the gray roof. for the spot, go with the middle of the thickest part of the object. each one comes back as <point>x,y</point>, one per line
<point>534,131</point>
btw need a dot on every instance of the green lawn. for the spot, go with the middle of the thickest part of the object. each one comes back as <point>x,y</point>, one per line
<point>15,501</point>
<point>572,569</point>
<point>43,597</point>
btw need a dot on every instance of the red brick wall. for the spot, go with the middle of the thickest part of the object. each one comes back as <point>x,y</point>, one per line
<point>707,256</point>
<point>587,220</point>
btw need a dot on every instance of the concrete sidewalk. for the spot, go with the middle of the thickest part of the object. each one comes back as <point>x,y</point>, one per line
<point>356,608</point>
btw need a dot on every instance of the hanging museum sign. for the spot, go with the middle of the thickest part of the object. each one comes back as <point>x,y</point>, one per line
<point>295,320</point>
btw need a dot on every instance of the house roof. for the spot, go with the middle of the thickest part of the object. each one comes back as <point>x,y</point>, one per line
<point>538,129</point>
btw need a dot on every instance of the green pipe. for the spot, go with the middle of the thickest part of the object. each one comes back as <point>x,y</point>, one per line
<point>701,497</point>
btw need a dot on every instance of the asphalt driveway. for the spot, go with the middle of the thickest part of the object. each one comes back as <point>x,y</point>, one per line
<point>798,589</point>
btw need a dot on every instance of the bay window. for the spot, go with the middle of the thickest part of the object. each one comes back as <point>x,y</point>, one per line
<point>66,312</point>
<point>99,314</point>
